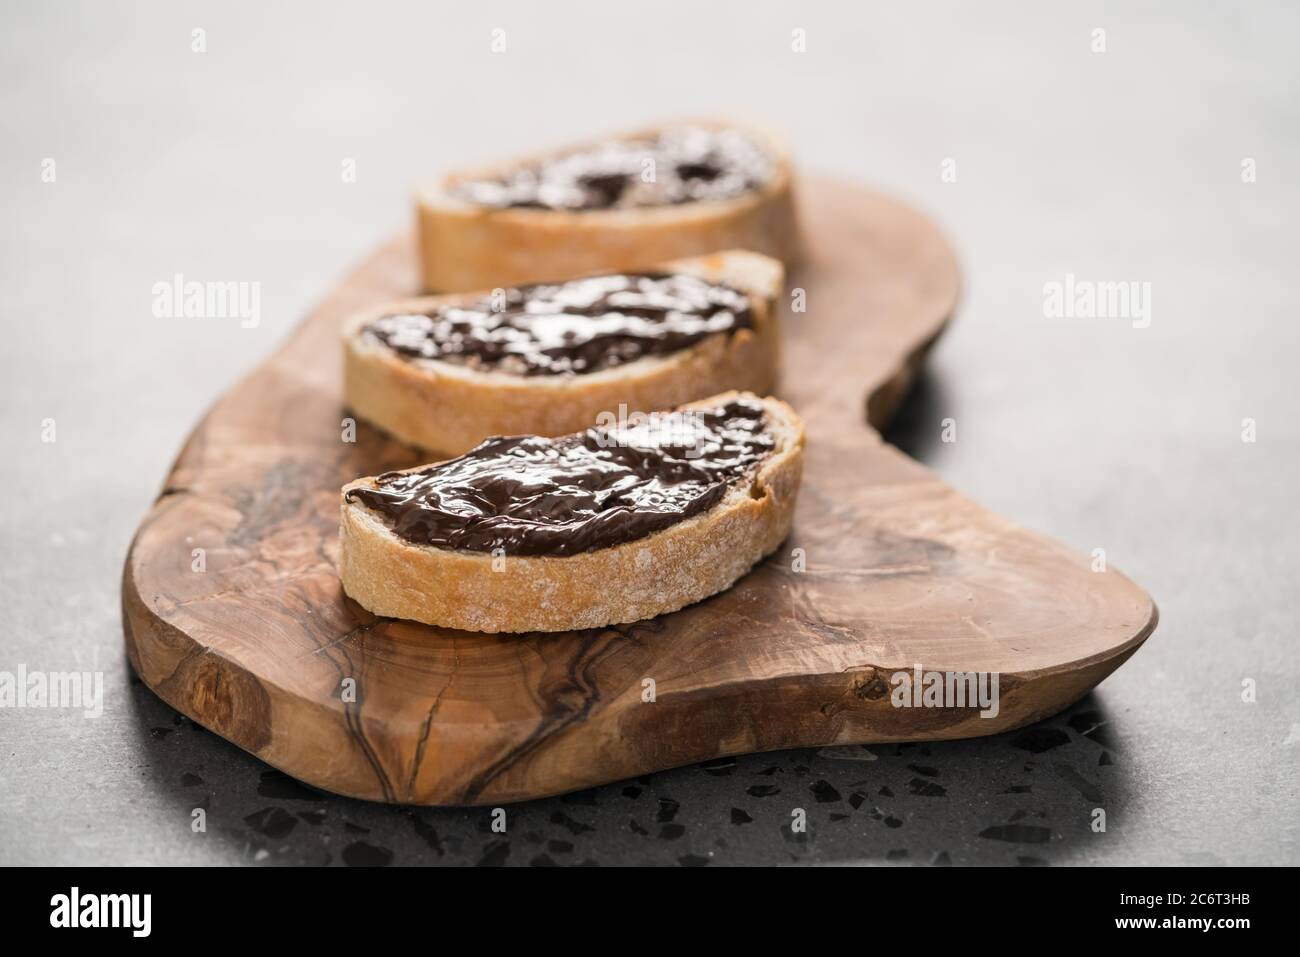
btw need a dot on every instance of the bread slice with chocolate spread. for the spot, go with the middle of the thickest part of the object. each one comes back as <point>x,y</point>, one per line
<point>604,527</point>
<point>444,372</point>
<point>617,203</point>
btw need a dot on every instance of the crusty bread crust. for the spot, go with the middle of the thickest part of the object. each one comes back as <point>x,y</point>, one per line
<point>682,564</point>
<point>463,246</point>
<point>450,408</point>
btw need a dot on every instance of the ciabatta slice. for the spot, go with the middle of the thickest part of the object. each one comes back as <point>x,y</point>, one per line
<point>653,575</point>
<point>449,407</point>
<point>466,246</point>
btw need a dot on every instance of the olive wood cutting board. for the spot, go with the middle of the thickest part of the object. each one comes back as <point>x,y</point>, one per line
<point>887,569</point>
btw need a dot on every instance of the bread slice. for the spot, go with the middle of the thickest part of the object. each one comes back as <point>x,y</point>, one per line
<point>449,407</point>
<point>659,573</point>
<point>466,246</point>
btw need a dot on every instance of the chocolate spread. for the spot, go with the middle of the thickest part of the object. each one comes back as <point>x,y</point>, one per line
<point>528,495</point>
<point>679,165</point>
<point>573,327</point>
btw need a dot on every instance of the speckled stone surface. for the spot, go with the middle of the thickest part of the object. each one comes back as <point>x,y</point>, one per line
<point>1022,798</point>
<point>1113,167</point>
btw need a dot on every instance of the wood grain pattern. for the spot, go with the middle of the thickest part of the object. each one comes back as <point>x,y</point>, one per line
<point>900,570</point>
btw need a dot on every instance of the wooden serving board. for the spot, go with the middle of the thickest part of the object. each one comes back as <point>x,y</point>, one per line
<point>900,570</point>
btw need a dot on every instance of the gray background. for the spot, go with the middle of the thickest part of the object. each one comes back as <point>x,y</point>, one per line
<point>1124,165</point>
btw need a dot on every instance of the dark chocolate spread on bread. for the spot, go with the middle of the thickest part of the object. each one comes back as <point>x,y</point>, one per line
<point>677,165</point>
<point>528,495</point>
<point>579,326</point>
